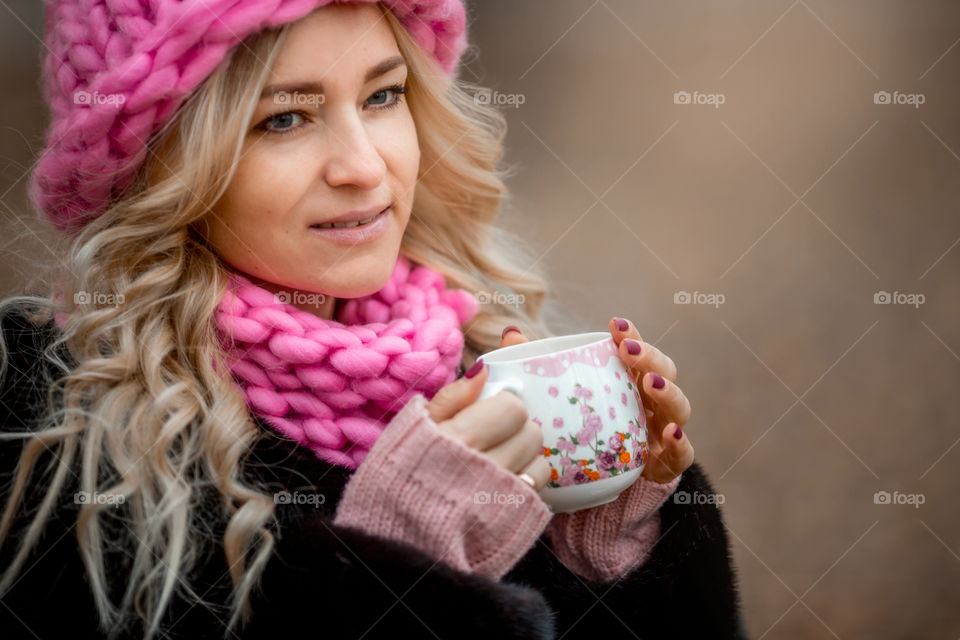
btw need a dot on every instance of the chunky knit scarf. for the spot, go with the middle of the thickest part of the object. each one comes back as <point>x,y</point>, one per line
<point>333,385</point>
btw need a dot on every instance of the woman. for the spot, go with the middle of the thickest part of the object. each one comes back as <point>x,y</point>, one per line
<point>248,414</point>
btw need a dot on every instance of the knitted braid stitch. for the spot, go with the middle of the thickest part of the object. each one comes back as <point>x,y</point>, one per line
<point>333,385</point>
<point>116,70</point>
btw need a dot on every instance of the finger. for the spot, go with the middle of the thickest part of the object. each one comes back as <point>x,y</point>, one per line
<point>516,453</point>
<point>511,335</point>
<point>671,457</point>
<point>539,470</point>
<point>641,357</point>
<point>621,328</point>
<point>672,404</point>
<point>452,398</point>
<point>489,422</point>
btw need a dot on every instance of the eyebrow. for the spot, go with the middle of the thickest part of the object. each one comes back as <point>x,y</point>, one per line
<point>375,71</point>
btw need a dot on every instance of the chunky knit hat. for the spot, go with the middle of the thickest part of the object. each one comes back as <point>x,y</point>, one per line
<point>117,70</point>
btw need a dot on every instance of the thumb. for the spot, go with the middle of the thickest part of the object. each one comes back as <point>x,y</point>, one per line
<point>460,393</point>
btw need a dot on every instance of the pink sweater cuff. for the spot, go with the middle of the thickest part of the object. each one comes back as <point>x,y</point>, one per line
<point>607,542</point>
<point>420,486</point>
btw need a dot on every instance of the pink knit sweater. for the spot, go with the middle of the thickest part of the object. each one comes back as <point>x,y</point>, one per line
<point>420,486</point>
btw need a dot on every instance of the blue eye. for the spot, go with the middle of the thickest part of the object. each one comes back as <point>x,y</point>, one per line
<point>279,119</point>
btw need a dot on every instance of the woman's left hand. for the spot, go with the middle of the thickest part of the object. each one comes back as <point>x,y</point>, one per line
<point>667,409</point>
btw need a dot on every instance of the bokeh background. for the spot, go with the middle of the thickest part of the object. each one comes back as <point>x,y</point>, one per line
<point>784,198</point>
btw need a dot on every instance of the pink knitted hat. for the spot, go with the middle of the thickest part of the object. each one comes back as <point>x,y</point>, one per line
<point>146,57</point>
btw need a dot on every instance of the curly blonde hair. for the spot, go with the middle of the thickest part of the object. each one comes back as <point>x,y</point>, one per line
<point>145,404</point>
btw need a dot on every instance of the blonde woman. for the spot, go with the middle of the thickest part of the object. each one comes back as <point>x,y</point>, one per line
<point>247,405</point>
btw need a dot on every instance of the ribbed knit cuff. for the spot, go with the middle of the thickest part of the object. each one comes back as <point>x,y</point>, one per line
<point>423,487</point>
<point>607,542</point>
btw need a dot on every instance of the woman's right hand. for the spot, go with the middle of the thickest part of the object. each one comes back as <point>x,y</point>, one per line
<point>497,427</point>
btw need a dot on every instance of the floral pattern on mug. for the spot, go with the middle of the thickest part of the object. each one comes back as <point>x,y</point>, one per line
<point>603,458</point>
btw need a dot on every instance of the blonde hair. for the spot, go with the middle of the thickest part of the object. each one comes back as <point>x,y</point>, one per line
<point>145,403</point>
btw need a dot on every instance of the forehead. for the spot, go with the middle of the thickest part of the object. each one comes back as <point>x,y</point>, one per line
<point>337,42</point>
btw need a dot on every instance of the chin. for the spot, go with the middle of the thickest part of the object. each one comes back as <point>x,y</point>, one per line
<point>362,277</point>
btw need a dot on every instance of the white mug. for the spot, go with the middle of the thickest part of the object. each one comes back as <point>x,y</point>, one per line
<point>579,392</point>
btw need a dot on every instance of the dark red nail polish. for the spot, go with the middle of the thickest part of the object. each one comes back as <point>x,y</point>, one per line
<point>508,329</point>
<point>633,347</point>
<point>678,433</point>
<point>622,324</point>
<point>658,382</point>
<point>474,370</point>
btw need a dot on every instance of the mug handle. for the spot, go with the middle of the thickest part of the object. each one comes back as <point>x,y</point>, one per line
<point>513,385</point>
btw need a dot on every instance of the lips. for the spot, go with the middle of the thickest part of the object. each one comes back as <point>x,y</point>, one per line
<point>352,219</point>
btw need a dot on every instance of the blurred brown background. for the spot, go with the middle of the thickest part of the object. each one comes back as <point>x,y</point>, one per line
<point>791,207</point>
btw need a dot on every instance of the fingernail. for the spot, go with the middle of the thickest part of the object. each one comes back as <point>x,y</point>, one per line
<point>633,347</point>
<point>509,329</point>
<point>678,433</point>
<point>474,370</point>
<point>658,381</point>
<point>622,324</point>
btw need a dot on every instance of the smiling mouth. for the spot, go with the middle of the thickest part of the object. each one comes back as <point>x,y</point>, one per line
<point>347,225</point>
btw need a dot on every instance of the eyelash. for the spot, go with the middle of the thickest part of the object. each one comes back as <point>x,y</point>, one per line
<point>399,90</point>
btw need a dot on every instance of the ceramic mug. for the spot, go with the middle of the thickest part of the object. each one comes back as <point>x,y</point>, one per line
<point>581,395</point>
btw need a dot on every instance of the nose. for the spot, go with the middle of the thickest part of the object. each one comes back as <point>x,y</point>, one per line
<point>353,157</point>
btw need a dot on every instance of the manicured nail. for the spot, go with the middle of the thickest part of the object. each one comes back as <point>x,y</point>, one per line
<point>678,434</point>
<point>658,381</point>
<point>509,329</point>
<point>474,370</point>
<point>622,324</point>
<point>633,347</point>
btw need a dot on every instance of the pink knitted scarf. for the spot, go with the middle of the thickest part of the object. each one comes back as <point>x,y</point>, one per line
<point>333,385</point>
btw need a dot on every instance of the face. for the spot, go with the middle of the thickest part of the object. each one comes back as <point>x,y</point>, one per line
<point>314,154</point>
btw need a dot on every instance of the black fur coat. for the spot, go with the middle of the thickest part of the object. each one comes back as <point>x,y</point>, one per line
<point>327,581</point>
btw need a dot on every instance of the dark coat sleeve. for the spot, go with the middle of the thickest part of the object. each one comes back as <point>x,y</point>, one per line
<point>686,588</point>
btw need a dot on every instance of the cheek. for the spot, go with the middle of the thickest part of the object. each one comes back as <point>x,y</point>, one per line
<point>402,156</point>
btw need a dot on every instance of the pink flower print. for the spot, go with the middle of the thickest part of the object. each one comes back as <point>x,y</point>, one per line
<point>564,461</point>
<point>585,435</point>
<point>606,388</point>
<point>565,445</point>
<point>581,478</point>
<point>606,459</point>
<point>537,420</point>
<point>604,474</point>
<point>557,423</point>
<point>615,444</point>
<point>594,423</point>
<point>553,391</point>
<point>633,429</point>
<point>623,399</point>
<point>583,392</point>
<point>584,410</point>
<point>617,373</point>
<point>613,413</point>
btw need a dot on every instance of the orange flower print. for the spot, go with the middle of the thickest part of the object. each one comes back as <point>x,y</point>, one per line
<point>621,435</point>
<point>624,457</point>
<point>546,451</point>
<point>584,462</point>
<point>553,474</point>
